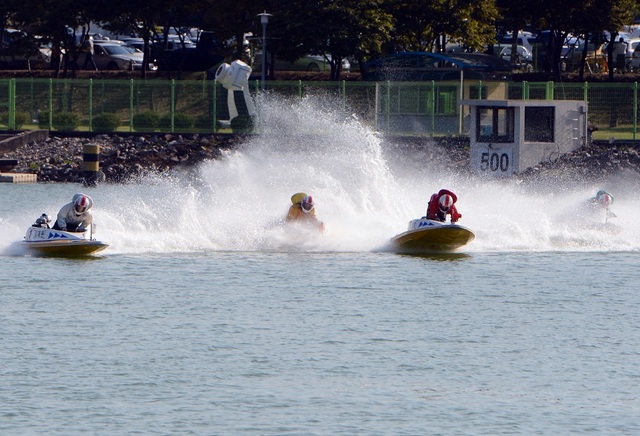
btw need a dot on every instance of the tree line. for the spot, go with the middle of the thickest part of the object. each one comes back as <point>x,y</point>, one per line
<point>360,30</point>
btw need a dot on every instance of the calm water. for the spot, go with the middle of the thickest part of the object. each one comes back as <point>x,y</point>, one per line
<point>200,318</point>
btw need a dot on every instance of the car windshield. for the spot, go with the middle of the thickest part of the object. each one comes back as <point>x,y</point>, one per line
<point>116,49</point>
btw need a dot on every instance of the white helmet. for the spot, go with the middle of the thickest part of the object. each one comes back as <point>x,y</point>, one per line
<point>604,198</point>
<point>445,202</point>
<point>81,203</point>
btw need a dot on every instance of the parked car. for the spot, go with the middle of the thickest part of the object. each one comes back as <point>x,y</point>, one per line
<point>305,63</point>
<point>116,56</point>
<point>422,65</point>
<point>524,58</point>
<point>524,38</point>
<point>634,63</point>
<point>206,54</point>
<point>21,50</point>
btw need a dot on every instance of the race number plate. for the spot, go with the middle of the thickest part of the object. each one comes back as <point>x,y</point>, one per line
<point>495,161</point>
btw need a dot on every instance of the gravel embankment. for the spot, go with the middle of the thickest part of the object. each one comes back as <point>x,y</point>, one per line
<point>122,158</point>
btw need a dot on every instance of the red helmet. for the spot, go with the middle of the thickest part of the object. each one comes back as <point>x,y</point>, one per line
<point>445,201</point>
<point>307,204</point>
<point>80,204</point>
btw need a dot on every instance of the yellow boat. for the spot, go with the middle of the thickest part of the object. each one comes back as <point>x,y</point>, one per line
<point>43,241</point>
<point>427,236</point>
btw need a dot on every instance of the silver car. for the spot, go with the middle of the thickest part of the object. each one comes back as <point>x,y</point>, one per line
<point>113,56</point>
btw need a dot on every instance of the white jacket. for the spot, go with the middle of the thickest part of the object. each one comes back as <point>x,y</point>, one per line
<point>68,217</point>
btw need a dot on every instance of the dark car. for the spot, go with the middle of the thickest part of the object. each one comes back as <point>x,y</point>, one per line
<point>422,65</point>
<point>205,54</point>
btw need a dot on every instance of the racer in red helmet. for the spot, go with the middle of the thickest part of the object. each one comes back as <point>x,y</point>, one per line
<point>442,204</point>
<point>303,209</point>
<point>75,216</point>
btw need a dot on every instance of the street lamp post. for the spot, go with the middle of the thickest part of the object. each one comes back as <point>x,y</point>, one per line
<point>264,19</point>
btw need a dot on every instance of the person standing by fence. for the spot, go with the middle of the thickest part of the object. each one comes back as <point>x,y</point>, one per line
<point>89,50</point>
<point>620,52</point>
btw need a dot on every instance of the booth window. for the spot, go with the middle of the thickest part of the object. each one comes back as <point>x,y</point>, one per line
<point>495,124</point>
<point>539,124</point>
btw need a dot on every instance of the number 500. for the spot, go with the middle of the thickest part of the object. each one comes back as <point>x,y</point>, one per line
<point>494,162</point>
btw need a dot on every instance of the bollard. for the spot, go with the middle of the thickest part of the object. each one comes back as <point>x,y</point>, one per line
<point>91,165</point>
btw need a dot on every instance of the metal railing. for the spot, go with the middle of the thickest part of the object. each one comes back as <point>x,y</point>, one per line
<point>415,108</point>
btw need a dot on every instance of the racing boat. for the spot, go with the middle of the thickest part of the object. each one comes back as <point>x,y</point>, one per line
<point>44,241</point>
<point>425,236</point>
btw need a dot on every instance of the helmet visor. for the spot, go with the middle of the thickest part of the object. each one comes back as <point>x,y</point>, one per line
<point>80,208</point>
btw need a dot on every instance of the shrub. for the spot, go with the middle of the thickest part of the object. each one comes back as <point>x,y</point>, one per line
<point>106,122</point>
<point>66,121</point>
<point>22,118</point>
<point>43,120</point>
<point>180,121</point>
<point>146,120</point>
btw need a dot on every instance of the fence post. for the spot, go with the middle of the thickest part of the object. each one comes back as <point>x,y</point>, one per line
<point>635,109</point>
<point>131,105</point>
<point>387,106</point>
<point>50,121</point>
<point>172,105</point>
<point>525,90</point>
<point>91,105</point>
<point>376,103</point>
<point>12,104</point>
<point>433,107</point>
<point>214,111</point>
<point>344,96</point>
<point>300,89</point>
<point>549,91</point>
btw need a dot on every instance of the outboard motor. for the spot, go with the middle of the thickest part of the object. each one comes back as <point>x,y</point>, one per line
<point>42,221</point>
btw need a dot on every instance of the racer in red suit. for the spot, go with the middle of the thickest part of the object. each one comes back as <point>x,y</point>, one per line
<point>443,204</point>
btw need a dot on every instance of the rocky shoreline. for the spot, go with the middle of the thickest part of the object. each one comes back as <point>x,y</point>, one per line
<point>125,158</point>
<point>122,158</point>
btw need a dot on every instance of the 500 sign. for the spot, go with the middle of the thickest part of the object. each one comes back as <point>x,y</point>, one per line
<point>495,161</point>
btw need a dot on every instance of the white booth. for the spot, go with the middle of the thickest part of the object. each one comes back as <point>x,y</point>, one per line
<point>509,136</point>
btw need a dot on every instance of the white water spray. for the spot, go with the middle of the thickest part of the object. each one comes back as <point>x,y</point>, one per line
<point>365,187</point>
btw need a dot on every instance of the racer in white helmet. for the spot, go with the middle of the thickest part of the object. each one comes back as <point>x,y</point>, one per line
<point>442,204</point>
<point>75,216</point>
<point>303,209</point>
<point>597,208</point>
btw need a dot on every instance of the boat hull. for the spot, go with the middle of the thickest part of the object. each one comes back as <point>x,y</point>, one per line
<point>67,248</point>
<point>426,236</point>
<point>50,242</point>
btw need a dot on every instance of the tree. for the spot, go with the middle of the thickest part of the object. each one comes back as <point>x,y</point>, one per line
<point>514,16</point>
<point>334,29</point>
<point>57,21</point>
<point>429,25</point>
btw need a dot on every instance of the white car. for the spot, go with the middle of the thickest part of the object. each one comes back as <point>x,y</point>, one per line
<point>633,53</point>
<point>114,56</point>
